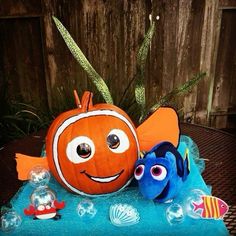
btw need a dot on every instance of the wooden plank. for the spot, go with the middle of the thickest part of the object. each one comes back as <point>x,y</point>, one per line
<point>209,47</point>
<point>176,58</point>
<point>231,121</point>
<point>188,59</point>
<point>154,66</point>
<point>232,104</point>
<point>120,36</point>
<point>20,8</point>
<point>227,4</point>
<point>48,48</point>
<point>169,44</point>
<point>224,88</point>
<point>22,67</point>
<point>61,69</point>
<point>192,56</point>
<point>163,51</point>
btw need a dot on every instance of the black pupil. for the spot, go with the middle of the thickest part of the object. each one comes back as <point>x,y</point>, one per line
<point>156,170</point>
<point>139,170</point>
<point>84,150</point>
<point>113,141</point>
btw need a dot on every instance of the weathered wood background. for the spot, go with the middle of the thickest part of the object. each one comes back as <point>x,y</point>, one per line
<point>191,36</point>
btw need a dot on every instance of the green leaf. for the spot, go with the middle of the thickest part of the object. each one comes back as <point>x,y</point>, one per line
<point>83,61</point>
<point>141,61</point>
<point>183,89</point>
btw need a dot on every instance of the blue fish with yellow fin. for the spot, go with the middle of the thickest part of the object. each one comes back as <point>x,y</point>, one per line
<point>162,171</point>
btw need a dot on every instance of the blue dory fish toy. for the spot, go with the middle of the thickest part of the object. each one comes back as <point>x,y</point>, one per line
<point>162,171</point>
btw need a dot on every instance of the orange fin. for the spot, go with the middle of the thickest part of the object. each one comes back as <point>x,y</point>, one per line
<point>162,125</point>
<point>24,164</point>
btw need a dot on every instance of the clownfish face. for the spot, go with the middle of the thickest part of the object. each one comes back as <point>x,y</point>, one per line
<point>93,153</point>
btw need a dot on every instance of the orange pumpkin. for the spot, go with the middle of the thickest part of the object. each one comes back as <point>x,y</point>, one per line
<point>92,149</point>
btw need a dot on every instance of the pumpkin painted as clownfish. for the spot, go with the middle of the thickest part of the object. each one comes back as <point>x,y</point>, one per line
<point>92,150</point>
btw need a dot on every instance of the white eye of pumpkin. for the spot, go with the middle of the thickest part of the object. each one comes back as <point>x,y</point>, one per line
<point>158,172</point>
<point>80,149</point>
<point>117,141</point>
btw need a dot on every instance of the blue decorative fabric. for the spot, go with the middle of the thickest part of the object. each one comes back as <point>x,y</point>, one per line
<point>153,219</point>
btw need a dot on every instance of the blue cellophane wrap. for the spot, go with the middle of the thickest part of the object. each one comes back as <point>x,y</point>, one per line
<point>153,219</point>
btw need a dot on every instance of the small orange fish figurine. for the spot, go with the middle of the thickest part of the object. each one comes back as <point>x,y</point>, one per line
<point>211,207</point>
<point>92,150</point>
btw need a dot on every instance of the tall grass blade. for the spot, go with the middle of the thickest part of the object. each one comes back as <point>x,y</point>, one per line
<point>141,61</point>
<point>181,90</point>
<point>83,61</point>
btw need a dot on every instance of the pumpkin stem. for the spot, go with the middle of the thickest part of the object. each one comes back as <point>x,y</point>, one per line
<point>77,101</point>
<point>86,101</point>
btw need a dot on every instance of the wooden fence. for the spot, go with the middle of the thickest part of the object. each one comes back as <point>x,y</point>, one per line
<point>191,36</point>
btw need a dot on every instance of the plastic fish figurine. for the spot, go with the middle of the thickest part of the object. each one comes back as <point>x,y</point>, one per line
<point>92,150</point>
<point>161,172</point>
<point>211,207</point>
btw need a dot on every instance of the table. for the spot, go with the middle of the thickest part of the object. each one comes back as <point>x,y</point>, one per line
<point>217,147</point>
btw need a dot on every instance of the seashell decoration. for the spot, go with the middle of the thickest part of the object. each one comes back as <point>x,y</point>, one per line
<point>123,215</point>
